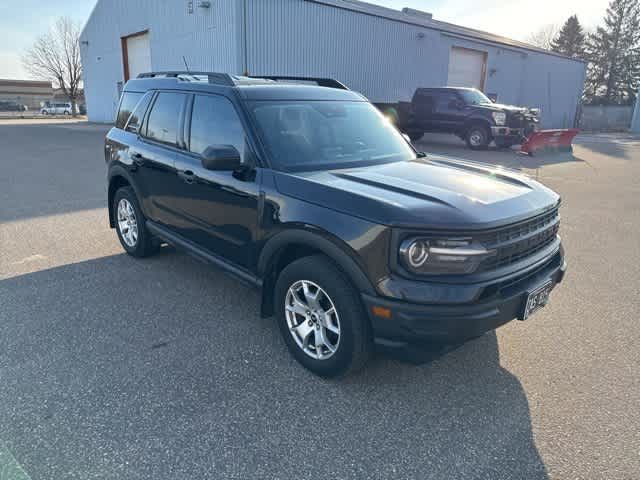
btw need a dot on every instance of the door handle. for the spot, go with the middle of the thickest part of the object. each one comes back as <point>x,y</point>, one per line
<point>187,176</point>
<point>138,159</point>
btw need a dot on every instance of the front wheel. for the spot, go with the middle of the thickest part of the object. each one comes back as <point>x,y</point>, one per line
<point>321,318</point>
<point>478,137</point>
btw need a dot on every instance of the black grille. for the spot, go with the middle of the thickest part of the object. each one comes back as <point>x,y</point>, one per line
<point>519,120</point>
<point>519,241</point>
<point>516,120</point>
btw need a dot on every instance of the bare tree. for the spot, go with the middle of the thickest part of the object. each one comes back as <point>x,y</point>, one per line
<point>55,55</point>
<point>544,37</point>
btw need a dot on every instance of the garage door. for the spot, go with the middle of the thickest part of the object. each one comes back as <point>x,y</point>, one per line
<point>467,68</point>
<point>136,54</point>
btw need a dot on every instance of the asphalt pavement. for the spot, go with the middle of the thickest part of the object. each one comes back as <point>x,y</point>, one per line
<point>117,368</point>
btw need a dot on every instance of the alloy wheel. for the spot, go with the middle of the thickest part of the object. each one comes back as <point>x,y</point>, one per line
<point>476,138</point>
<point>312,319</point>
<point>127,222</point>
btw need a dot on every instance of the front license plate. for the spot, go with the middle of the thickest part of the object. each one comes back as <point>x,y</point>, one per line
<point>537,299</point>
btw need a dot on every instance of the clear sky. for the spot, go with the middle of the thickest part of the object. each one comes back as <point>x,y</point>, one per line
<point>23,20</point>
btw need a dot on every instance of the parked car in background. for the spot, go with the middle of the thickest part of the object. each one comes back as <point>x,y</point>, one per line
<point>10,106</point>
<point>307,193</point>
<point>64,108</point>
<point>465,112</point>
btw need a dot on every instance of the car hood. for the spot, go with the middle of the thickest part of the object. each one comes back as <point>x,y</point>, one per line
<point>435,192</point>
<point>500,107</point>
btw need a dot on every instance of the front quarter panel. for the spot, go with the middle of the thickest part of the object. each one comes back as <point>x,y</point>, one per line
<point>365,242</point>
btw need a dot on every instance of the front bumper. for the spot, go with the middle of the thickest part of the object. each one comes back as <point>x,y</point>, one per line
<point>506,132</point>
<point>411,324</point>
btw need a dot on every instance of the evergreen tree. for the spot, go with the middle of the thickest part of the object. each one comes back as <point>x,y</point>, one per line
<point>571,40</point>
<point>614,55</point>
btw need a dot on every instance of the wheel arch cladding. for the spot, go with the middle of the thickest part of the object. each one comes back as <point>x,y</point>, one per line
<point>290,245</point>
<point>477,121</point>
<point>115,183</point>
<point>118,178</point>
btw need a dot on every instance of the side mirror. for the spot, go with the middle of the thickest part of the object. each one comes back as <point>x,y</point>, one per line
<point>221,157</point>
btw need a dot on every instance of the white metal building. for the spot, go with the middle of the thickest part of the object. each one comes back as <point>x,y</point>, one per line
<point>383,53</point>
<point>635,120</point>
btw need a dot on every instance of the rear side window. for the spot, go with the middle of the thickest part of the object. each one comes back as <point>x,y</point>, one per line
<point>214,121</point>
<point>127,104</point>
<point>135,119</point>
<point>164,118</point>
<point>424,98</point>
<point>446,99</point>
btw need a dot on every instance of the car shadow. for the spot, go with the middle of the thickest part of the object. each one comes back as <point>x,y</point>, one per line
<point>613,145</point>
<point>165,364</point>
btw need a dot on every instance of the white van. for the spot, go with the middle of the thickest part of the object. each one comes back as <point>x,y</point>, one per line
<point>57,109</point>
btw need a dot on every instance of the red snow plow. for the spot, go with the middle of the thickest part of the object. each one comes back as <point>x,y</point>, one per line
<point>543,141</point>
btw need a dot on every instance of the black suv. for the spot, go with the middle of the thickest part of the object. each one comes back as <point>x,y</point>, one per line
<point>465,112</point>
<point>309,193</point>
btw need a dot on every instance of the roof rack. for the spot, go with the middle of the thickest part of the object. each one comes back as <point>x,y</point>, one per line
<point>321,82</point>
<point>233,80</point>
<point>213,77</point>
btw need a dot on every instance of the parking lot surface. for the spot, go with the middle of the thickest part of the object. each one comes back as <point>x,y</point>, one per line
<point>112,367</point>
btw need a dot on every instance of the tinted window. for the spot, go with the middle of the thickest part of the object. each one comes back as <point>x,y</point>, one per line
<point>138,112</point>
<point>308,135</point>
<point>424,97</point>
<point>445,100</point>
<point>474,97</point>
<point>128,102</point>
<point>215,122</point>
<point>164,117</point>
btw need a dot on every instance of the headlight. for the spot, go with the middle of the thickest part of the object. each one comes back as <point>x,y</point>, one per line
<point>442,256</point>
<point>499,117</point>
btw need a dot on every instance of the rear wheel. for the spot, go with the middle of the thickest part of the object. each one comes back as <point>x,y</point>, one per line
<point>321,318</point>
<point>478,137</point>
<point>130,225</point>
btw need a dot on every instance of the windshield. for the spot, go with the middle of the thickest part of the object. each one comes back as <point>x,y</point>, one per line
<point>315,135</point>
<point>474,97</point>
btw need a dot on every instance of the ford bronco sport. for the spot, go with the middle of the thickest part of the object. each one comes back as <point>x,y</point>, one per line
<point>303,189</point>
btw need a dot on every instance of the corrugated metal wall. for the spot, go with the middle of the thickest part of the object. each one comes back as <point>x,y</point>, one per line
<point>387,60</point>
<point>207,38</point>
<point>384,59</point>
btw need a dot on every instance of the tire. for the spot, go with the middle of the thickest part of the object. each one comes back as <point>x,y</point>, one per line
<point>144,244</point>
<point>478,137</point>
<point>352,345</point>
<point>415,136</point>
<point>66,112</point>
<point>44,112</point>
